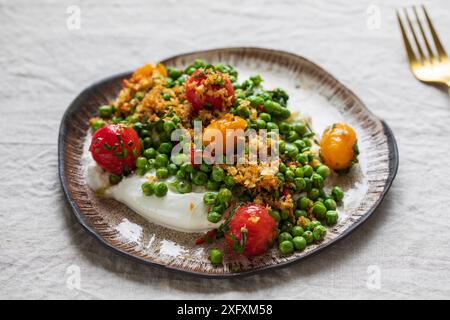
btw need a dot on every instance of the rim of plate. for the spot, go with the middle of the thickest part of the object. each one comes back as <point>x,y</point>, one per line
<point>393,168</point>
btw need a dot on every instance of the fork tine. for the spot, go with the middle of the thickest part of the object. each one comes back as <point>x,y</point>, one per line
<point>409,51</point>
<point>427,44</point>
<point>437,42</point>
<point>419,49</point>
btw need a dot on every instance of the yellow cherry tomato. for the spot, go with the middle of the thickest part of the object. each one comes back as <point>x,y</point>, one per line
<point>338,147</point>
<point>147,70</point>
<point>226,126</point>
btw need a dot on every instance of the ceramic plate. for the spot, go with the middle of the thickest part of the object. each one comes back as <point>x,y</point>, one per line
<point>312,90</point>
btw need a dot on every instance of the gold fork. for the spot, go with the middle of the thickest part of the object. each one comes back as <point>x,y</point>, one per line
<point>432,66</point>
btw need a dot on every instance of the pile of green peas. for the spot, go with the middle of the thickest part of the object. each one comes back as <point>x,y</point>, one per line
<point>218,203</point>
<point>306,178</point>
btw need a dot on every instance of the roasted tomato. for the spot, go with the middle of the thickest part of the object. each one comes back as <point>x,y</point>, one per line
<point>339,146</point>
<point>226,125</point>
<point>209,89</point>
<point>251,230</point>
<point>115,148</point>
<point>147,70</point>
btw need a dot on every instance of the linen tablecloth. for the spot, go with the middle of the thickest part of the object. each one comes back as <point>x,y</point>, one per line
<point>48,56</point>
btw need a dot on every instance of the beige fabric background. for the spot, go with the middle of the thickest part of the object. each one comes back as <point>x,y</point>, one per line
<point>44,65</point>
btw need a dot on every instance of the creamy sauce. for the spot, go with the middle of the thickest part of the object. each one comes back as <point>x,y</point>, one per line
<point>181,212</point>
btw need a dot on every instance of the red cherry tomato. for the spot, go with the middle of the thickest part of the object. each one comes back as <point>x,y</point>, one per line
<point>251,230</point>
<point>203,93</point>
<point>115,148</point>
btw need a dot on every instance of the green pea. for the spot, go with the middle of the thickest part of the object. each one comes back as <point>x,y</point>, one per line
<point>307,142</point>
<point>319,233</point>
<point>269,106</point>
<point>165,147</point>
<point>169,126</point>
<point>160,189</point>
<point>184,186</point>
<point>284,236</point>
<point>271,126</point>
<point>205,167</point>
<point>187,167</point>
<point>180,174</point>
<point>308,171</point>
<point>297,231</point>
<point>313,224</point>
<point>289,174</point>
<point>292,136</point>
<point>284,214</point>
<point>243,111</point>
<point>218,174</point>
<point>148,188</point>
<point>332,217</point>
<point>299,144</point>
<point>317,180</point>
<point>337,193</point>
<point>215,256</point>
<point>285,127</point>
<point>229,181</point>
<point>190,70</point>
<point>162,173</point>
<point>302,203</point>
<point>141,162</point>
<point>255,101</point>
<point>114,179</point>
<point>172,168</point>
<point>265,116</point>
<point>209,198</point>
<point>150,153</point>
<point>105,111</point>
<point>151,164</point>
<point>330,204</point>
<point>308,236</point>
<point>285,113</point>
<point>224,195</point>
<point>214,217</point>
<point>282,167</point>
<point>200,178</point>
<point>301,158</point>
<point>286,247</point>
<point>275,214</point>
<point>299,243</point>
<point>298,172</point>
<point>308,184</point>
<point>300,184</point>
<point>173,73</point>
<point>282,146</point>
<point>261,124</point>
<point>161,160</point>
<point>314,193</point>
<point>97,124</point>
<point>291,150</point>
<point>147,142</point>
<point>323,170</point>
<point>212,185</point>
<point>220,208</point>
<point>300,213</point>
<point>300,128</point>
